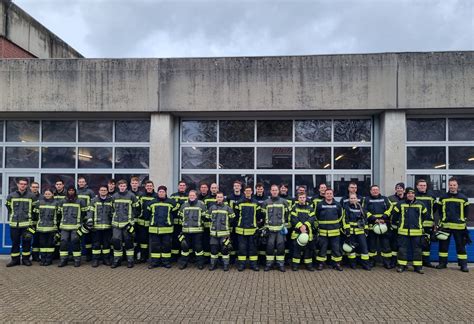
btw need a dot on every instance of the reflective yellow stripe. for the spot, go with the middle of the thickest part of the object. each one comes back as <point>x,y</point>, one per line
<point>160,230</point>
<point>245,231</point>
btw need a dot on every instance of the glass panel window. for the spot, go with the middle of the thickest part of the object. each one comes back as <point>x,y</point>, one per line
<point>21,157</point>
<point>193,180</point>
<point>461,129</point>
<point>313,158</point>
<point>274,130</point>
<point>426,157</point>
<point>59,131</point>
<point>352,130</point>
<point>426,129</point>
<point>132,131</point>
<point>436,182</point>
<point>95,130</point>
<point>312,182</point>
<point>198,131</point>
<point>94,181</point>
<point>1,130</point>
<point>352,157</point>
<point>142,178</point>
<point>274,157</point>
<point>95,157</point>
<point>22,131</point>
<point>1,158</point>
<point>341,183</point>
<point>268,179</point>
<point>199,157</point>
<point>236,158</point>
<point>58,157</point>
<point>466,184</point>
<point>1,185</point>
<point>132,157</point>
<point>236,130</point>
<point>461,157</point>
<point>313,130</point>
<point>48,180</point>
<point>226,182</point>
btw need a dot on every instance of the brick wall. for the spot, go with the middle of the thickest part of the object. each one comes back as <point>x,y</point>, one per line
<point>10,50</point>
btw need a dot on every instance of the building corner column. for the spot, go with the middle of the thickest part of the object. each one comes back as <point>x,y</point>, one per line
<point>162,149</point>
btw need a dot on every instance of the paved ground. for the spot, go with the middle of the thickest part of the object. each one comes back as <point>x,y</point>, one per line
<point>83,294</point>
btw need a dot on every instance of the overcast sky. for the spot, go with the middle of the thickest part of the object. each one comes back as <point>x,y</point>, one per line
<point>199,28</point>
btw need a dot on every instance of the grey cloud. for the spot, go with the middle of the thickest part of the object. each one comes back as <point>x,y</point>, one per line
<point>228,28</point>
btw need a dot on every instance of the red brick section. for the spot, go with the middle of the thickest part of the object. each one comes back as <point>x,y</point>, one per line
<point>10,50</point>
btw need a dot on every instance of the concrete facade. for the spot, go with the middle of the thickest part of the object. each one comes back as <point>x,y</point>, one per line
<point>23,30</point>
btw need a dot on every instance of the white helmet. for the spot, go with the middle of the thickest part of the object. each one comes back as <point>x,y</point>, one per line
<point>441,235</point>
<point>302,239</point>
<point>380,228</point>
<point>348,247</point>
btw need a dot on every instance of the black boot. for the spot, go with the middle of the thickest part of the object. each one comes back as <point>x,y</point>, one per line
<point>26,261</point>
<point>106,260</point>
<point>309,267</point>
<point>213,265</point>
<point>48,259</point>
<point>463,265</point>
<point>226,264</point>
<point>268,266</point>
<point>254,266</point>
<point>77,262</point>
<point>419,270</point>
<point>442,265</point>
<point>117,262</point>
<point>401,268</point>
<point>62,262</point>
<point>294,267</point>
<point>35,256</point>
<point>130,262</point>
<point>14,262</point>
<point>95,263</point>
<point>241,266</point>
<point>338,266</point>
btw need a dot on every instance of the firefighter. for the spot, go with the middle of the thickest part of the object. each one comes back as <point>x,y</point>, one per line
<point>378,212</point>
<point>86,194</point>
<point>246,227</point>
<point>329,220</point>
<point>111,187</point>
<point>409,215</point>
<point>260,197</point>
<point>351,189</point>
<point>35,251</point>
<point>288,242</point>
<point>321,192</point>
<point>59,194</point>
<point>125,205</point>
<point>302,221</point>
<point>74,216</point>
<point>143,221</point>
<point>162,213</point>
<point>429,200</point>
<point>454,208</point>
<point>275,210</point>
<point>192,215</point>
<point>181,196</point>
<point>302,189</point>
<point>101,211</point>
<point>203,196</point>
<point>355,217</point>
<point>220,215</point>
<point>20,208</point>
<point>47,210</point>
<point>233,200</point>
<point>211,199</point>
<point>398,196</point>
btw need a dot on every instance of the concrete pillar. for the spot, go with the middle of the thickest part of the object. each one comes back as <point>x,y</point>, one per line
<point>392,150</point>
<point>162,150</point>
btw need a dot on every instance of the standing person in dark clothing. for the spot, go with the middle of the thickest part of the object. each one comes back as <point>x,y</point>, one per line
<point>20,209</point>
<point>35,251</point>
<point>181,196</point>
<point>101,212</point>
<point>398,196</point>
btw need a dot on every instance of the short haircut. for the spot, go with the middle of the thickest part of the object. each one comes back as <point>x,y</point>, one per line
<point>182,181</point>
<point>34,182</point>
<point>259,185</point>
<point>248,187</point>
<point>59,180</point>
<point>374,186</point>
<point>122,181</point>
<point>111,181</point>
<point>22,179</point>
<point>453,179</point>
<point>135,178</point>
<point>81,177</point>
<point>148,182</point>
<point>284,185</point>
<point>420,181</point>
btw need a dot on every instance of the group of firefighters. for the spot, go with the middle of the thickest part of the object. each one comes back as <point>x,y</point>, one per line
<point>119,224</point>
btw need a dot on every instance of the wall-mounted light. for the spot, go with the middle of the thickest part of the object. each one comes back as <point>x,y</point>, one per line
<point>327,166</point>
<point>339,157</point>
<point>440,166</point>
<point>85,156</point>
